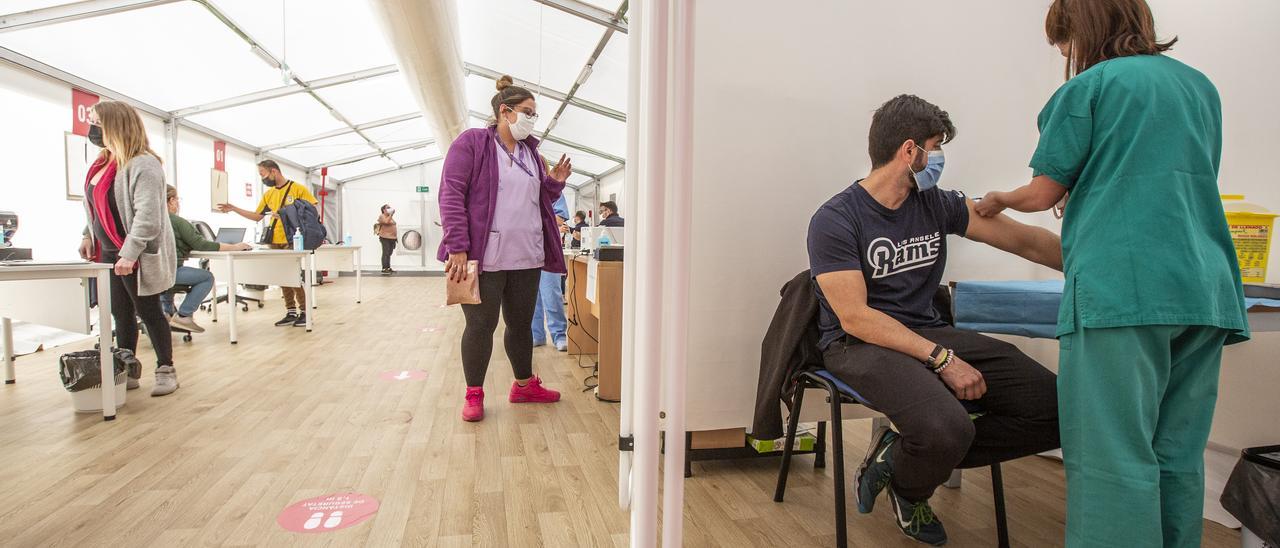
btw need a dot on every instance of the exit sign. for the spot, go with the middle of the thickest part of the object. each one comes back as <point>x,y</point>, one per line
<point>424,189</point>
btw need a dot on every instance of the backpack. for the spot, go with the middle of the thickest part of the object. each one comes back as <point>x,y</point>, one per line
<point>302,215</point>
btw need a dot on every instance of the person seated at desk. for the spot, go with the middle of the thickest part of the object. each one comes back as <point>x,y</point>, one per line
<point>280,192</point>
<point>609,215</point>
<point>878,251</point>
<point>186,240</point>
<point>579,223</point>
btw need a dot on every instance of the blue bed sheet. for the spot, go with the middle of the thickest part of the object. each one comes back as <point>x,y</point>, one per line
<point>1024,308</point>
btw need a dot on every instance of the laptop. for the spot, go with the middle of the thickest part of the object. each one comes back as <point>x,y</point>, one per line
<point>230,235</point>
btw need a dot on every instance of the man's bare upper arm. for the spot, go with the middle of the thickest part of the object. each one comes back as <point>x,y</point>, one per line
<point>846,291</point>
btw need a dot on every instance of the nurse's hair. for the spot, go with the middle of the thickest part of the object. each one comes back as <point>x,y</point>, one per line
<point>903,118</point>
<point>1097,30</point>
<point>508,94</point>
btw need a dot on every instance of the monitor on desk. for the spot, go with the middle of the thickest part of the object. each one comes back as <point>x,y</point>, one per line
<point>615,234</point>
<point>230,235</point>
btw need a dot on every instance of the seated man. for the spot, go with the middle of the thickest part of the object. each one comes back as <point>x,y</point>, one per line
<point>187,239</point>
<point>878,251</point>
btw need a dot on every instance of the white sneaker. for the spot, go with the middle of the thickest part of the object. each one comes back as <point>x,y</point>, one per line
<point>185,322</point>
<point>166,381</point>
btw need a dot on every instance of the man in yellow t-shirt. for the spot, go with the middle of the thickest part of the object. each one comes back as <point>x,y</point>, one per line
<point>282,192</point>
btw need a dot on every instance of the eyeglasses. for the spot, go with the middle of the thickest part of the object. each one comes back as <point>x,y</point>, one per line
<point>525,111</point>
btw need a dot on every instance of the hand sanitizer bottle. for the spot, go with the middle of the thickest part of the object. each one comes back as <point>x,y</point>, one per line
<point>297,239</point>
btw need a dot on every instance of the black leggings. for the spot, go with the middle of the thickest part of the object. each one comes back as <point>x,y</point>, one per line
<point>388,245</point>
<point>515,293</point>
<point>127,306</point>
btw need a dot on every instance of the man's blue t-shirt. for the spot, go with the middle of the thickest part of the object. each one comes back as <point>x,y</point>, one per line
<point>901,252</point>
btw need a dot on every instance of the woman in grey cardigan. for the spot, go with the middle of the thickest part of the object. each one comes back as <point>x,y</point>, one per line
<point>124,200</point>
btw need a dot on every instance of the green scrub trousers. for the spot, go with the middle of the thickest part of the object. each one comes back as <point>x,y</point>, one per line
<point>1137,404</point>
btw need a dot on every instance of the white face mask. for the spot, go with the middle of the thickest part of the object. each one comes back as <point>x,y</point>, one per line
<point>523,126</point>
<point>391,211</point>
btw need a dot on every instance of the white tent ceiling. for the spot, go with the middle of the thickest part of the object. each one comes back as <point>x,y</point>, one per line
<point>184,57</point>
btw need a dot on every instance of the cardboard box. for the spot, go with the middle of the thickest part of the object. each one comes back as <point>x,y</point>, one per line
<point>804,442</point>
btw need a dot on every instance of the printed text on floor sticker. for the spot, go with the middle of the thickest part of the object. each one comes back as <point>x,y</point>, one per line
<point>327,513</point>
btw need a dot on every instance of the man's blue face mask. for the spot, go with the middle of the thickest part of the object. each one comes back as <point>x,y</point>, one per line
<point>932,173</point>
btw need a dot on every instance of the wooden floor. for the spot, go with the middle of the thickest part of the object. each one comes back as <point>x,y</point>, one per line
<point>286,415</point>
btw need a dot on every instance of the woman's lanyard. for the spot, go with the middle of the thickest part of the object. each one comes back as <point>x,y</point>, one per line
<point>514,157</point>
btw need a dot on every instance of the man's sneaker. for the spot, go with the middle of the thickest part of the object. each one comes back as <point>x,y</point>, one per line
<point>185,322</point>
<point>916,519</point>
<point>561,345</point>
<point>300,321</point>
<point>166,381</point>
<point>537,343</point>
<point>876,470</point>
<point>132,384</point>
<point>532,392</point>
<point>473,407</point>
<point>288,319</point>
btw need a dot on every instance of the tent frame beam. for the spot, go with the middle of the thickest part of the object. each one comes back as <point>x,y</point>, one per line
<point>368,155</point>
<point>343,131</point>
<point>284,91</point>
<point>585,73</point>
<point>72,12</point>
<point>589,12</point>
<point>494,75</point>
<point>560,141</point>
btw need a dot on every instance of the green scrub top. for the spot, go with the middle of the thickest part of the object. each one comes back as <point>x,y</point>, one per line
<point>1137,140</point>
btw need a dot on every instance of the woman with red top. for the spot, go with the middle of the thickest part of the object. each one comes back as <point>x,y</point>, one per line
<point>124,200</point>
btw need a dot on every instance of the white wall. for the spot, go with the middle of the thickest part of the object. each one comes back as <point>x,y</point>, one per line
<point>363,200</point>
<point>612,185</point>
<point>37,113</point>
<point>783,102</point>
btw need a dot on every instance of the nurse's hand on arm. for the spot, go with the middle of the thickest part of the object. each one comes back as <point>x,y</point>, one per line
<point>1041,194</point>
<point>1032,243</point>
<point>846,291</point>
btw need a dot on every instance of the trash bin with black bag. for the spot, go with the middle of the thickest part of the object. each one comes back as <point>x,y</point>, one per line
<point>82,377</point>
<point>1252,495</point>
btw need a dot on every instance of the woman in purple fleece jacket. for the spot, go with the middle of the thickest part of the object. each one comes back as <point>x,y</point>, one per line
<point>495,207</point>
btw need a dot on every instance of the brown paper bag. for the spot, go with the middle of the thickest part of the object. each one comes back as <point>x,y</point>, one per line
<point>466,291</point>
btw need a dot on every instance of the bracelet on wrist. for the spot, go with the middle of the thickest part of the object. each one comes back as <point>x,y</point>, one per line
<point>946,360</point>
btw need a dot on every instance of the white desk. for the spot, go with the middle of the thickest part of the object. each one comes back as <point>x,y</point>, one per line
<point>262,267</point>
<point>57,295</point>
<point>338,258</point>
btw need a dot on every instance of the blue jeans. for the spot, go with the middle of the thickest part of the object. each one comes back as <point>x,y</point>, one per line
<point>201,282</point>
<point>549,310</point>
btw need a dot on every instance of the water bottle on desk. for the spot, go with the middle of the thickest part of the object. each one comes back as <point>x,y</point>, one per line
<point>297,239</point>
<point>346,239</point>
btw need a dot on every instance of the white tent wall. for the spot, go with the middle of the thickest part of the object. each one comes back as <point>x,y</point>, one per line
<point>611,188</point>
<point>781,125</point>
<point>194,167</point>
<point>362,200</point>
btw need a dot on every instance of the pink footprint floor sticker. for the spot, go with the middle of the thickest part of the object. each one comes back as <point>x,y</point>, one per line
<point>327,513</point>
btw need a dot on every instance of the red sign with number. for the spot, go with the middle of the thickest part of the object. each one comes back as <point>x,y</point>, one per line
<point>80,103</point>
<point>220,155</point>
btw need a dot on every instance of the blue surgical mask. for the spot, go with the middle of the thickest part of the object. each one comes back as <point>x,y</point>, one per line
<point>928,178</point>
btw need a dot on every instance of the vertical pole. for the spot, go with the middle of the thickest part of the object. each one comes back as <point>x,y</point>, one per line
<point>106,359</point>
<point>171,152</point>
<point>675,306</point>
<point>231,293</point>
<point>650,232</point>
<point>6,325</point>
<point>629,268</point>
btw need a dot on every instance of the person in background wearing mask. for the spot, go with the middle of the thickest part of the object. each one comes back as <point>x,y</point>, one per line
<point>548,313</point>
<point>609,215</point>
<point>186,240</point>
<point>579,223</point>
<point>280,192</point>
<point>1136,137</point>
<point>878,251</point>
<point>387,236</point>
<point>495,207</point>
<point>124,199</point>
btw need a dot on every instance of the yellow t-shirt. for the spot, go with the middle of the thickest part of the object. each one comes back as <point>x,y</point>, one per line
<point>271,201</point>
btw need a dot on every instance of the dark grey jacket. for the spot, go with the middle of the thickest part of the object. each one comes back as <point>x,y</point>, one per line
<point>790,346</point>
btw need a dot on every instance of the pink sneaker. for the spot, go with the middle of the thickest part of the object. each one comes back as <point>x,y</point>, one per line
<point>473,409</point>
<point>533,392</point>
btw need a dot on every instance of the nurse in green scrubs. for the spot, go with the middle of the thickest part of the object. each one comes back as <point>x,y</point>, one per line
<point>1153,288</point>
